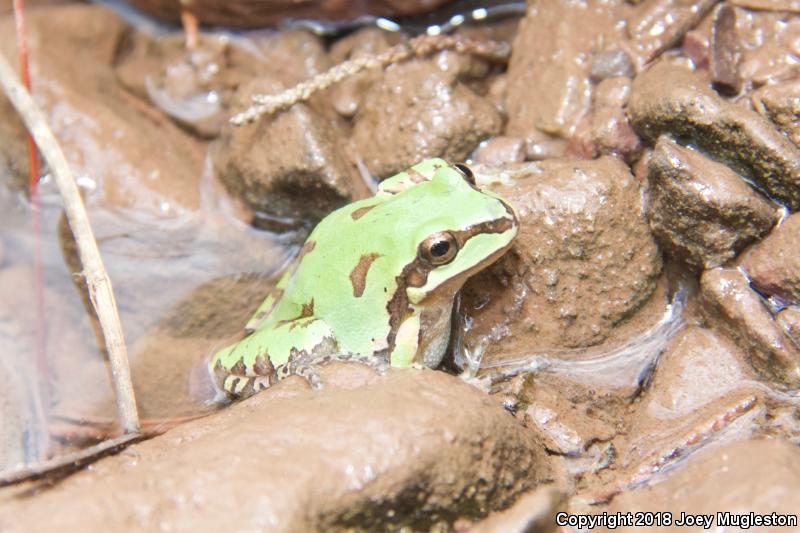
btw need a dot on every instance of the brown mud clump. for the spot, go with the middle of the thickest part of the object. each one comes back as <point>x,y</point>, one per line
<point>408,449</point>
<point>584,260</point>
<point>250,14</point>
<point>672,99</point>
<point>686,187</point>
<point>774,264</point>
<point>418,111</point>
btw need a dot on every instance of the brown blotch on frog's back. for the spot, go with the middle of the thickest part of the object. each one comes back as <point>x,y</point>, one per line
<point>239,369</point>
<point>263,366</point>
<point>358,276</point>
<point>361,211</point>
<point>307,310</point>
<point>307,248</point>
<point>416,177</point>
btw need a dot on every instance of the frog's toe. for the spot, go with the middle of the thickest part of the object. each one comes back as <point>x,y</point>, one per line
<point>378,364</point>
<point>381,367</point>
<point>311,375</point>
<point>220,397</point>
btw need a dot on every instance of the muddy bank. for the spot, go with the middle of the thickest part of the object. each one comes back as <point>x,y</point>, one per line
<point>353,470</point>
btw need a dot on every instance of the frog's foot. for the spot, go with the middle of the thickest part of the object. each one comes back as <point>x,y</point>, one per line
<point>376,363</point>
<point>303,367</point>
<point>240,381</point>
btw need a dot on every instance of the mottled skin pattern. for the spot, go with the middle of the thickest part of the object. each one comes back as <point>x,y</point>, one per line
<point>366,286</point>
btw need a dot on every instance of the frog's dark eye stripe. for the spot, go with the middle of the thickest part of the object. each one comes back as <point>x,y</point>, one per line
<point>466,172</point>
<point>438,249</point>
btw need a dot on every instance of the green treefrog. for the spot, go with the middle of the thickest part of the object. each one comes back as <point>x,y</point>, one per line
<point>375,281</point>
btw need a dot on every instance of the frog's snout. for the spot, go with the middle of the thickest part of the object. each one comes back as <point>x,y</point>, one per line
<point>512,214</point>
<point>503,212</point>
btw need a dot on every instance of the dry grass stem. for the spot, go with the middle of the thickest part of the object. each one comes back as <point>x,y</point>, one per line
<point>97,281</point>
<point>421,46</point>
<point>69,462</point>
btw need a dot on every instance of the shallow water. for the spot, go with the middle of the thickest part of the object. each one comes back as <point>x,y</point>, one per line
<point>154,265</point>
<point>625,365</point>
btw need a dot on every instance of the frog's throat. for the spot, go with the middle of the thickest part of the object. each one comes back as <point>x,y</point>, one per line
<point>436,320</point>
<point>415,274</point>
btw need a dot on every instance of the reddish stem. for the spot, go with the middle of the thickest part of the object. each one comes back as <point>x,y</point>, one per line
<point>190,25</point>
<point>33,182</point>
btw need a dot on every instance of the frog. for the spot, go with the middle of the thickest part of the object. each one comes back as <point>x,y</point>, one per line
<point>374,282</point>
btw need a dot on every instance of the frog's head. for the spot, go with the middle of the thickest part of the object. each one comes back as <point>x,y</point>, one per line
<point>445,230</point>
<point>459,230</point>
<point>396,260</point>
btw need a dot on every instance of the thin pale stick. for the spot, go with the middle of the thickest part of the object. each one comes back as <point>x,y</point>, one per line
<point>97,280</point>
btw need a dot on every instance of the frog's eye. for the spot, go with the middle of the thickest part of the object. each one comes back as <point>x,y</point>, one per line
<point>466,172</point>
<point>439,248</point>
